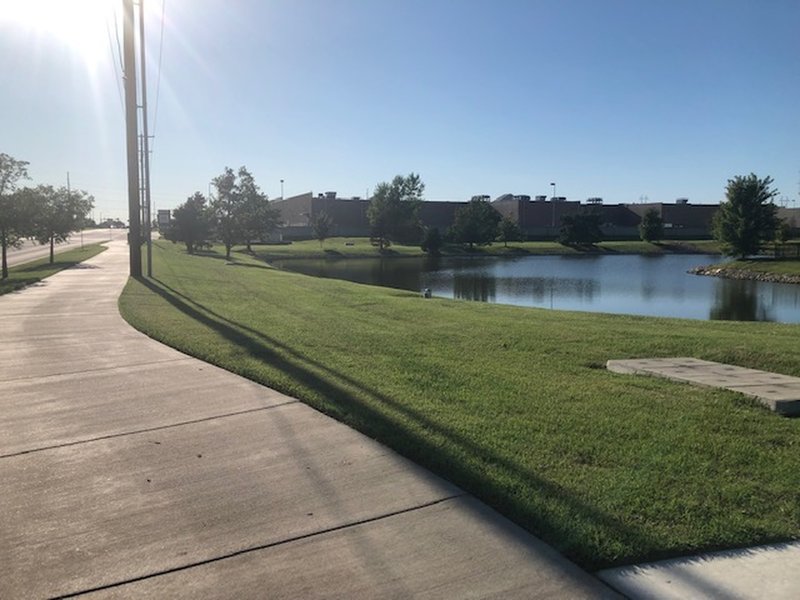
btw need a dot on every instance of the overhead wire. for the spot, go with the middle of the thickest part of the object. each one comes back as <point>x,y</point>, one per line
<point>158,77</point>
<point>114,64</point>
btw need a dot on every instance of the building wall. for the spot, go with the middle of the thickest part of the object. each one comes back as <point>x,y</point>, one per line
<point>538,219</point>
<point>439,215</point>
<point>295,211</point>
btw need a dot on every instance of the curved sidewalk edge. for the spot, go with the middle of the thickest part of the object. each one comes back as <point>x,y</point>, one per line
<point>131,469</point>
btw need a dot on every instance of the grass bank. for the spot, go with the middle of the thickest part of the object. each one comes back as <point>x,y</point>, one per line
<point>512,404</point>
<point>34,271</point>
<point>775,267</point>
<point>361,248</point>
<point>762,269</point>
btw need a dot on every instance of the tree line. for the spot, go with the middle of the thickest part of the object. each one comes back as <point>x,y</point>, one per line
<point>393,215</point>
<point>238,213</point>
<point>44,213</point>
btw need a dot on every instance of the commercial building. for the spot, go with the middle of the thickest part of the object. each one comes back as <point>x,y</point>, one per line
<point>538,218</point>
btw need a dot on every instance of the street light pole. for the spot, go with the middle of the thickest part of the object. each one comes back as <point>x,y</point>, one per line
<point>281,189</point>
<point>553,207</point>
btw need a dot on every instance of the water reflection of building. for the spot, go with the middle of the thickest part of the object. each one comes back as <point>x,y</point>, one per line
<point>539,217</point>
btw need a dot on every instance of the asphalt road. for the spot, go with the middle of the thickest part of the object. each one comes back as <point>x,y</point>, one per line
<point>31,250</point>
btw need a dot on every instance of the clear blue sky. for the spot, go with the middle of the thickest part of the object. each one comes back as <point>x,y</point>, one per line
<point>614,98</point>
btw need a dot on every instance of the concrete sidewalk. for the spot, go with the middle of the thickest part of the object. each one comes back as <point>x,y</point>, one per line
<point>130,470</point>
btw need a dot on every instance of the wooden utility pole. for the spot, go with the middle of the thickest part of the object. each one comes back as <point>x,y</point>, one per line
<point>129,66</point>
<point>145,146</point>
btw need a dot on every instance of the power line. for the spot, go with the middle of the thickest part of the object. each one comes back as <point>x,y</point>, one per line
<point>117,74</point>
<point>158,80</point>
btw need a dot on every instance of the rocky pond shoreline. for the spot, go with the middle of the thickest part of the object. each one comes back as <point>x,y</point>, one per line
<point>729,273</point>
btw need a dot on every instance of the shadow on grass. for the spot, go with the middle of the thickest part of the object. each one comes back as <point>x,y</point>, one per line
<point>12,285</point>
<point>358,405</point>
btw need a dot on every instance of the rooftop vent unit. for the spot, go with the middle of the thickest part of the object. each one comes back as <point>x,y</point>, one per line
<point>523,198</point>
<point>682,201</point>
<point>330,195</point>
<point>594,200</point>
<point>356,198</point>
<point>541,198</point>
<point>558,199</point>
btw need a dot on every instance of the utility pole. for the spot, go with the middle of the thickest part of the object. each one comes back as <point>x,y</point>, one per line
<point>146,146</point>
<point>129,67</point>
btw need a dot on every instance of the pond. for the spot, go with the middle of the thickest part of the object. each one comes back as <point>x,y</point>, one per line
<point>626,284</point>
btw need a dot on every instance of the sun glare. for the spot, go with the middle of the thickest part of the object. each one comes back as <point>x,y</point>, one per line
<point>80,25</point>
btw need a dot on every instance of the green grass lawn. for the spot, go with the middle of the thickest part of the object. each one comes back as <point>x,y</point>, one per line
<point>361,248</point>
<point>512,404</point>
<point>777,267</point>
<point>34,271</point>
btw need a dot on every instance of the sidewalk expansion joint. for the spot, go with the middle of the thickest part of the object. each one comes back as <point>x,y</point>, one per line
<point>99,370</point>
<point>111,436</point>
<point>260,547</point>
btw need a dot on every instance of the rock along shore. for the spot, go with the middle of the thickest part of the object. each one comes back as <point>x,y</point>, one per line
<point>715,271</point>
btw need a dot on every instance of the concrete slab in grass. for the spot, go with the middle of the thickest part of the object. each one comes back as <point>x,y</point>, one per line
<point>780,393</point>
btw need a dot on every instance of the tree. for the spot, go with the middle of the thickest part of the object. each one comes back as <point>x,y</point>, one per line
<point>393,210</point>
<point>58,212</point>
<point>432,242</point>
<point>192,223</point>
<point>508,231</point>
<point>12,217</point>
<point>580,229</point>
<point>258,218</point>
<point>242,213</point>
<point>651,229</point>
<point>322,225</point>
<point>226,206</point>
<point>748,217</point>
<point>783,233</point>
<point>475,223</point>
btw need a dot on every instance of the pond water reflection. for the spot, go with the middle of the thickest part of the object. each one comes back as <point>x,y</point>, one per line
<point>627,284</point>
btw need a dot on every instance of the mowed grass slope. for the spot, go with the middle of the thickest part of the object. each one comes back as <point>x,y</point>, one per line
<point>33,272</point>
<point>359,247</point>
<point>776,267</point>
<point>512,404</point>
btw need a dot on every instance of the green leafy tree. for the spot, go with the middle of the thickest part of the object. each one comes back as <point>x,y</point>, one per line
<point>322,225</point>
<point>783,233</point>
<point>393,210</point>
<point>226,206</point>
<point>432,242</point>
<point>258,218</point>
<point>475,223</point>
<point>58,213</point>
<point>242,212</point>
<point>748,217</point>
<point>651,229</point>
<point>13,217</point>
<point>508,231</point>
<point>192,223</point>
<point>580,230</point>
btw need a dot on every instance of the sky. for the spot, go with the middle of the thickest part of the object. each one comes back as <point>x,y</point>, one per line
<point>628,100</point>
